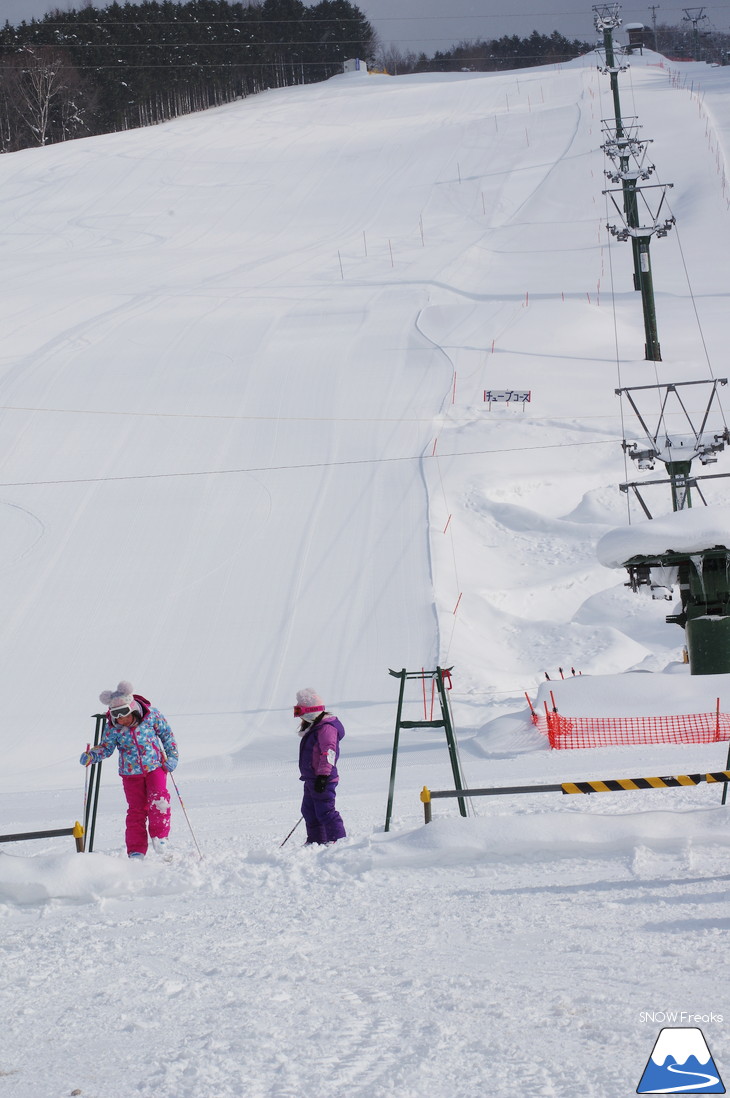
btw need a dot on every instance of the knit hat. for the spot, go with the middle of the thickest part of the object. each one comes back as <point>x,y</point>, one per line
<point>123,695</point>
<point>309,704</point>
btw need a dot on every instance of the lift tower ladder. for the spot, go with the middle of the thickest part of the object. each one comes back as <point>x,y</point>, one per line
<point>444,722</point>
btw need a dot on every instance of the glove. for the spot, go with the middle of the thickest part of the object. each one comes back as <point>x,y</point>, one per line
<point>170,763</point>
<point>87,758</point>
<point>320,783</point>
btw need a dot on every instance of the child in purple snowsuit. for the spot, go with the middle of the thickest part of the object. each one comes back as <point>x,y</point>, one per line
<point>147,754</point>
<point>319,751</point>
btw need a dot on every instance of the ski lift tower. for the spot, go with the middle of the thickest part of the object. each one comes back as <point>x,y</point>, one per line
<point>628,154</point>
<point>702,574</point>
<point>695,17</point>
<point>606,19</point>
<point>640,235</point>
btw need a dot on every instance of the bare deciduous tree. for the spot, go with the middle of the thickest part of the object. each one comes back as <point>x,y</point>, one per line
<point>41,88</point>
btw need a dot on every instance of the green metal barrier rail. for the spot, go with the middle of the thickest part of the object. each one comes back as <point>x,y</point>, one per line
<point>77,831</point>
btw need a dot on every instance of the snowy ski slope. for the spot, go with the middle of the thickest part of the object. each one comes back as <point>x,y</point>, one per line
<point>245,449</point>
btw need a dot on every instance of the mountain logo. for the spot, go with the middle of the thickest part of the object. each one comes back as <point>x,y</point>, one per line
<point>680,1063</point>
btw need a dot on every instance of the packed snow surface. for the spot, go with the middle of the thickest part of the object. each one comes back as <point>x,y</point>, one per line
<point>245,449</point>
<point>636,694</point>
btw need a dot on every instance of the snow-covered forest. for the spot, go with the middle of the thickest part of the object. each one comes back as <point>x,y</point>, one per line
<point>88,70</point>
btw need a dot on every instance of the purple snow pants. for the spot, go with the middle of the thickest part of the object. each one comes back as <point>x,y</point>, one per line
<point>323,821</point>
<point>147,801</point>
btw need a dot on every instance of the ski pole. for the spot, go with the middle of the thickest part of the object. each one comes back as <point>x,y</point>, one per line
<point>182,805</point>
<point>92,804</point>
<point>296,825</point>
<point>86,792</point>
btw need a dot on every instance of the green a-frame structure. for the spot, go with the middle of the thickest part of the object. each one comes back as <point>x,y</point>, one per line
<point>445,722</point>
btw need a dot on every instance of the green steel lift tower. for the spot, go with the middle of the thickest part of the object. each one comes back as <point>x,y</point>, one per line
<point>702,576</point>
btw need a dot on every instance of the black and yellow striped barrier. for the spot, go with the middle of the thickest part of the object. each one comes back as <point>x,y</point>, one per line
<point>610,785</point>
<point>614,785</point>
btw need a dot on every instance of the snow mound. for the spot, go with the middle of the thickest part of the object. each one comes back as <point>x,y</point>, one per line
<point>688,531</point>
<point>544,836</point>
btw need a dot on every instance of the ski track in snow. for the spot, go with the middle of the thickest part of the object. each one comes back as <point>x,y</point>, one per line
<point>332,971</point>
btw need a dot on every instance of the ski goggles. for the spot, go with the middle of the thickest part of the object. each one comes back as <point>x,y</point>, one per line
<point>122,711</point>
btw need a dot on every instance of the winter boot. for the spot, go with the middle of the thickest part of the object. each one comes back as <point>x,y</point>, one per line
<point>162,847</point>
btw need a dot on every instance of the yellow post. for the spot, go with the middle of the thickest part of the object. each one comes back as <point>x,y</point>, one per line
<point>426,798</point>
<point>78,834</point>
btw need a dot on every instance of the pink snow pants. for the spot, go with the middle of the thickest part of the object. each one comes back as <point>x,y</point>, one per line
<point>148,802</point>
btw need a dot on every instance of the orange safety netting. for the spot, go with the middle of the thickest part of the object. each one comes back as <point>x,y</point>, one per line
<point>569,732</point>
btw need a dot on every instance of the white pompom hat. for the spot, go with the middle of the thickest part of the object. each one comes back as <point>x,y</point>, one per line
<point>309,704</point>
<point>123,695</point>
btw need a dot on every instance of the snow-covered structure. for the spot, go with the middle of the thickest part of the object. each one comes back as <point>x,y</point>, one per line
<point>690,548</point>
<point>636,33</point>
